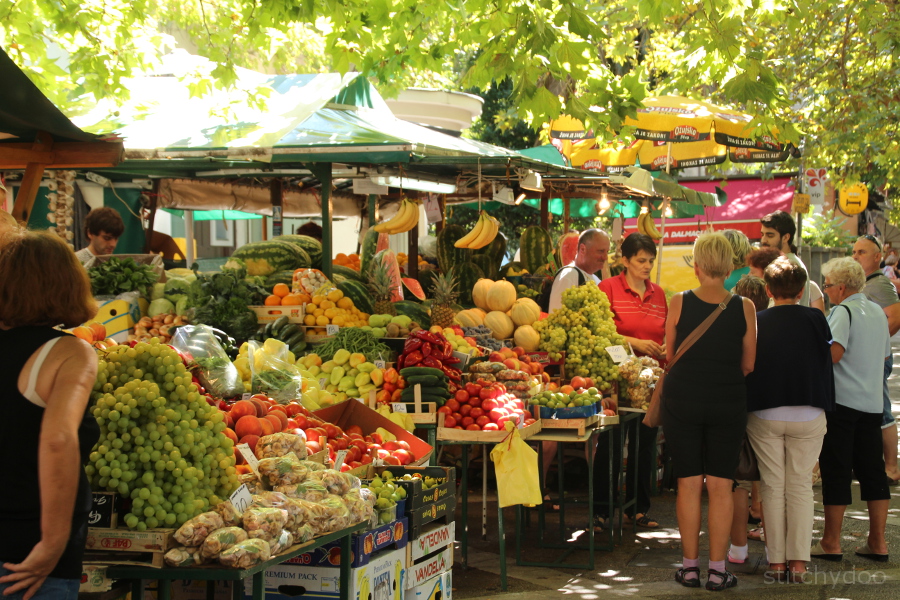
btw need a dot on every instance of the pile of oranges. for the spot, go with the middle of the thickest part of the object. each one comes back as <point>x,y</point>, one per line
<point>352,261</point>
<point>282,296</point>
<point>403,259</point>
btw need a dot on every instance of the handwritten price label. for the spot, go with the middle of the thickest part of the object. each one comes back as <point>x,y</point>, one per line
<point>398,407</point>
<point>380,364</point>
<point>331,329</point>
<point>241,498</point>
<point>246,396</point>
<point>339,459</point>
<point>618,353</point>
<point>248,455</point>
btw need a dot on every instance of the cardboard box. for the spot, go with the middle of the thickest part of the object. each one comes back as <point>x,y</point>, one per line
<point>104,510</point>
<point>425,514</point>
<point>363,546</point>
<point>430,540</point>
<point>416,496</point>
<point>381,579</point>
<point>94,579</point>
<point>428,568</point>
<point>268,314</point>
<point>438,588</point>
<point>350,413</point>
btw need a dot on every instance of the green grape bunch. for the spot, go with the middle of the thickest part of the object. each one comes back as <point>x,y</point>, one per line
<point>160,443</point>
<point>583,327</point>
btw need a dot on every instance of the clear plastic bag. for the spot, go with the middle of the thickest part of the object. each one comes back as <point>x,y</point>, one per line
<point>252,482</point>
<point>230,515</point>
<point>283,470</point>
<point>282,444</point>
<point>311,491</point>
<point>284,541</point>
<point>304,533</point>
<point>221,540</point>
<point>273,375</point>
<point>183,557</point>
<point>304,512</point>
<point>359,506</point>
<point>216,371</point>
<point>194,531</point>
<point>264,523</point>
<point>338,514</point>
<point>246,554</point>
<point>335,481</point>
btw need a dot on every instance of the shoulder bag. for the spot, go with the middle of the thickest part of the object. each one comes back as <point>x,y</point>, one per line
<point>653,418</point>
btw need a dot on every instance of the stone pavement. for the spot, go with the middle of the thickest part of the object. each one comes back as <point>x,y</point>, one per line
<point>642,565</point>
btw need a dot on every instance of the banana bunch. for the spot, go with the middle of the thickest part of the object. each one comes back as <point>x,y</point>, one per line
<point>646,225</point>
<point>482,234</point>
<point>405,219</point>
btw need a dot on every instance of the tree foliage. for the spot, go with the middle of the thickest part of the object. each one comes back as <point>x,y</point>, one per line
<point>819,72</point>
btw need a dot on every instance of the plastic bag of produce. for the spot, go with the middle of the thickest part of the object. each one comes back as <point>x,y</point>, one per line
<point>335,481</point>
<point>215,370</point>
<point>264,523</point>
<point>221,540</point>
<point>252,482</point>
<point>304,512</point>
<point>268,500</point>
<point>195,530</point>
<point>273,376</point>
<point>360,509</point>
<point>282,470</point>
<point>304,533</point>
<point>281,444</point>
<point>284,541</point>
<point>309,281</point>
<point>246,554</point>
<point>311,491</point>
<point>338,514</point>
<point>313,465</point>
<point>183,557</point>
<point>230,515</point>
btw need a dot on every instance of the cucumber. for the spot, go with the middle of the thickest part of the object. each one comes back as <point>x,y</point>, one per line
<point>288,331</point>
<point>413,371</point>
<point>279,323</point>
<point>425,380</point>
<point>267,331</point>
<point>294,339</point>
<point>298,348</point>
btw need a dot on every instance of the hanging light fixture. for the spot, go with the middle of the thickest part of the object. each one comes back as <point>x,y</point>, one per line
<point>603,205</point>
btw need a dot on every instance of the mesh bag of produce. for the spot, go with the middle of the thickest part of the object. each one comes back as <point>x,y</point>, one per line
<point>282,470</point>
<point>246,554</point>
<point>282,444</point>
<point>183,557</point>
<point>221,540</point>
<point>230,515</point>
<point>195,530</point>
<point>284,541</point>
<point>264,523</point>
<point>334,481</point>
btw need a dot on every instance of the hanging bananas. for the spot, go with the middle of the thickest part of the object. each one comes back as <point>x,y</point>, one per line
<point>482,234</point>
<point>405,219</point>
<point>647,226</point>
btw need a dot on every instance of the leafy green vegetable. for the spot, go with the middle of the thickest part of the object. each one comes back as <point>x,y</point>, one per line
<point>220,300</point>
<point>119,275</point>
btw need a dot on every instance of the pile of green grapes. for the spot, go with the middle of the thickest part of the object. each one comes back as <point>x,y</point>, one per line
<point>160,444</point>
<point>583,327</point>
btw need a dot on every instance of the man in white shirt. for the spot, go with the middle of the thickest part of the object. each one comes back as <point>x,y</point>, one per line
<point>880,290</point>
<point>593,253</point>
<point>103,227</point>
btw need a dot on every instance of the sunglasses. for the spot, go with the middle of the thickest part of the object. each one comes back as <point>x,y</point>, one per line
<point>872,239</point>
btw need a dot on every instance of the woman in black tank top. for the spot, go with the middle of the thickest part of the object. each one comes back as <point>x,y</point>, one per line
<point>704,409</point>
<point>46,377</point>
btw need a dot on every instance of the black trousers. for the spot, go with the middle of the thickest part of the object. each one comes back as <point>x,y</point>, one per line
<point>852,448</point>
<point>642,461</point>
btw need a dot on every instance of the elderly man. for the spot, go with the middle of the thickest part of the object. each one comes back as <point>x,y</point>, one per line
<point>880,290</point>
<point>593,253</point>
<point>851,447</point>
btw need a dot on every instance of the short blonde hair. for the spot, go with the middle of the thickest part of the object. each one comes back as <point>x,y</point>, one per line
<point>845,271</point>
<point>713,255</point>
<point>740,246</point>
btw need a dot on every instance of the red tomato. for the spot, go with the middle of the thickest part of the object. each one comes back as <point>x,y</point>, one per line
<point>473,427</point>
<point>491,427</point>
<point>462,396</point>
<point>482,421</point>
<point>449,421</point>
<point>445,409</point>
<point>466,421</point>
<point>489,404</point>
<point>452,404</point>
<point>473,389</point>
<point>476,412</point>
<point>464,409</point>
<point>497,414</point>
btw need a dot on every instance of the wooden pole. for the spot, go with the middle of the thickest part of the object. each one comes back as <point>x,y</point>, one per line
<point>151,219</point>
<point>545,210</point>
<point>322,171</point>
<point>412,258</point>
<point>276,193</point>
<point>31,181</point>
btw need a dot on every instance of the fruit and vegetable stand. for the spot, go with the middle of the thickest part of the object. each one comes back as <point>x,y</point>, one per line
<point>211,574</point>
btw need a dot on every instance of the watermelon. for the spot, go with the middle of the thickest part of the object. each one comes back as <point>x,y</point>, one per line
<point>486,264</point>
<point>426,279</point>
<point>535,246</point>
<point>414,311</point>
<point>265,258</point>
<point>448,255</point>
<point>414,287</point>
<point>567,248</point>
<point>466,275</point>
<point>311,246</point>
<point>285,277</point>
<point>347,273</point>
<point>390,259</point>
<point>368,249</point>
<point>496,250</point>
<point>359,293</point>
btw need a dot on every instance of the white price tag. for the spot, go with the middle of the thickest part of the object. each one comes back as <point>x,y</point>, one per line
<point>433,209</point>
<point>323,381</point>
<point>380,364</point>
<point>361,400</point>
<point>618,353</point>
<point>378,462</point>
<point>398,407</point>
<point>241,498</point>
<point>339,459</point>
<point>331,329</point>
<point>246,396</point>
<point>248,455</point>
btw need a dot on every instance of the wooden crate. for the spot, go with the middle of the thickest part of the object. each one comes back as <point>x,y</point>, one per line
<point>580,425</point>
<point>267,314</point>
<point>124,546</point>
<point>447,434</point>
<point>421,412</point>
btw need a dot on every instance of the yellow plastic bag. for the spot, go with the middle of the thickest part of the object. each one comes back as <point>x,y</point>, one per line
<point>516,466</point>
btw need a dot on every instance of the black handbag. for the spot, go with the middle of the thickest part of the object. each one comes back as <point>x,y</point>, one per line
<point>748,467</point>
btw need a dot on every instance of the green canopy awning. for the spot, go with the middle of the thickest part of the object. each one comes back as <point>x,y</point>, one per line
<point>216,215</point>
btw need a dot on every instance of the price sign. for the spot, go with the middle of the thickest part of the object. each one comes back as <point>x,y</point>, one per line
<point>339,459</point>
<point>331,329</point>
<point>618,353</point>
<point>380,364</point>
<point>433,209</point>
<point>248,455</point>
<point>323,381</point>
<point>378,462</point>
<point>241,498</point>
<point>398,407</point>
<point>246,396</point>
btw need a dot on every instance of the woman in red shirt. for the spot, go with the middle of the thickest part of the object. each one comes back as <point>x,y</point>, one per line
<point>639,310</point>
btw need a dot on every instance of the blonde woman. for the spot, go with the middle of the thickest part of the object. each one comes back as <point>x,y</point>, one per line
<point>740,248</point>
<point>704,411</point>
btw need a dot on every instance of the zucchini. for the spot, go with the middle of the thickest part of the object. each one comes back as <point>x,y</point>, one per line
<point>285,333</point>
<point>413,371</point>
<point>267,331</point>
<point>297,337</point>
<point>298,347</point>
<point>425,380</point>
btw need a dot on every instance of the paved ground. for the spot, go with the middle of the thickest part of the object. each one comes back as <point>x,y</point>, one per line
<point>642,565</point>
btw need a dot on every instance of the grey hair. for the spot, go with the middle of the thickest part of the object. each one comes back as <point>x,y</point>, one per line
<point>845,271</point>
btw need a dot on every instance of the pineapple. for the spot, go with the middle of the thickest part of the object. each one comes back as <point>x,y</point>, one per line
<point>381,285</point>
<point>445,294</point>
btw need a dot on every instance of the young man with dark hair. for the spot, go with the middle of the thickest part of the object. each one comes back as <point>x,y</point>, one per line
<point>778,231</point>
<point>103,228</point>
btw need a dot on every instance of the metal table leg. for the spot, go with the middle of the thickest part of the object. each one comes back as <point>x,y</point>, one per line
<point>464,498</point>
<point>562,501</point>
<point>502,538</point>
<point>137,589</point>
<point>259,586</point>
<point>346,552</point>
<point>165,589</point>
<point>237,590</point>
<point>210,590</point>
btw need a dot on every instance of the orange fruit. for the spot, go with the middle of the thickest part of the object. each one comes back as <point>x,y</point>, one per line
<point>345,303</point>
<point>335,295</point>
<point>309,320</point>
<point>85,333</point>
<point>99,330</point>
<point>281,290</point>
<point>292,300</point>
<point>273,301</point>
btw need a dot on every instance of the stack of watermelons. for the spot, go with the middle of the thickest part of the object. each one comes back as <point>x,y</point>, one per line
<point>277,259</point>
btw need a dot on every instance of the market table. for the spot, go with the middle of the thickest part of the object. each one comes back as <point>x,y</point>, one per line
<point>213,573</point>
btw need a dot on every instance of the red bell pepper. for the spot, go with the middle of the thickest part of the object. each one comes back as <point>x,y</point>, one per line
<point>426,349</point>
<point>412,344</point>
<point>431,361</point>
<point>413,358</point>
